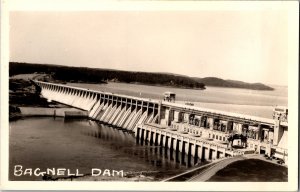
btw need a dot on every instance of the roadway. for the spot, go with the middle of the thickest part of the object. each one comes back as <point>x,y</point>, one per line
<point>212,170</point>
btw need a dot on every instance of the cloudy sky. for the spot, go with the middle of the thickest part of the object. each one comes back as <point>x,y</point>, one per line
<point>250,46</point>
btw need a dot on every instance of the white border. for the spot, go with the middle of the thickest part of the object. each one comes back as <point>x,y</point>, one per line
<point>92,5</point>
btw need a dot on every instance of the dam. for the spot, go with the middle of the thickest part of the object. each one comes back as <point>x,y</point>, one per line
<point>195,131</point>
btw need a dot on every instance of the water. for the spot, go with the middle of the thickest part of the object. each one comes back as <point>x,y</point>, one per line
<point>245,101</point>
<point>83,144</point>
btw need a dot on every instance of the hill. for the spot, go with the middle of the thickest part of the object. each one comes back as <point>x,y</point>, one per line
<point>96,75</point>
<point>93,75</point>
<point>218,82</point>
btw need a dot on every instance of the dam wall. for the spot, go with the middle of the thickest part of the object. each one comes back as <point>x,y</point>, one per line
<point>114,109</point>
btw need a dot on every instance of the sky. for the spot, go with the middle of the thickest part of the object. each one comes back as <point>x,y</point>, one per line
<point>250,46</point>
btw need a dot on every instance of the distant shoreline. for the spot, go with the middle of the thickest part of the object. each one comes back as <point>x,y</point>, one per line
<point>98,75</point>
<point>207,86</point>
<point>157,85</point>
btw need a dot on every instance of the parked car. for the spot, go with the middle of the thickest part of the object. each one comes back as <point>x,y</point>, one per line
<point>269,158</point>
<point>281,161</point>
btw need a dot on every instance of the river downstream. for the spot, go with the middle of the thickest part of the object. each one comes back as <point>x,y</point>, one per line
<point>83,144</point>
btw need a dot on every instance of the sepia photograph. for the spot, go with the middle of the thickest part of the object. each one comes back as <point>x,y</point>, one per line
<point>154,94</point>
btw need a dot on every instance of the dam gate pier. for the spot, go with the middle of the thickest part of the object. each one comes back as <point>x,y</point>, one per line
<point>192,146</point>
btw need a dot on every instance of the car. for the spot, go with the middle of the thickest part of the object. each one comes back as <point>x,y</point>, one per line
<point>281,161</point>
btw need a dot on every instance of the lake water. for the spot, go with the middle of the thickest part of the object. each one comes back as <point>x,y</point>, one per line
<point>244,101</point>
<point>83,144</point>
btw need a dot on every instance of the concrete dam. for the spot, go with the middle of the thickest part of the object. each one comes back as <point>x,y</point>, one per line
<point>194,131</point>
<point>117,110</point>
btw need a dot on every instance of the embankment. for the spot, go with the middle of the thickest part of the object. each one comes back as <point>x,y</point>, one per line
<point>55,112</point>
<point>25,100</point>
